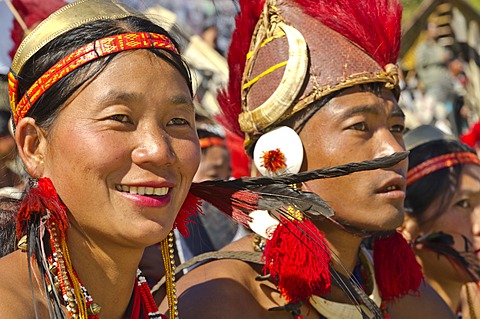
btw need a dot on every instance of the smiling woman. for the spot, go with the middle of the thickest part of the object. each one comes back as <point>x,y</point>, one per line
<point>104,124</point>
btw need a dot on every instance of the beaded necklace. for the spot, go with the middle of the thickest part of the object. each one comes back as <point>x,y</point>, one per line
<point>76,298</point>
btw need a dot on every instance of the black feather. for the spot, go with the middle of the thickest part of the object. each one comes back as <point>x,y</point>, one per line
<point>271,193</point>
<point>442,244</point>
<point>277,196</point>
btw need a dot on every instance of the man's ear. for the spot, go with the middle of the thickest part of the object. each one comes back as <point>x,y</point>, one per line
<point>31,142</point>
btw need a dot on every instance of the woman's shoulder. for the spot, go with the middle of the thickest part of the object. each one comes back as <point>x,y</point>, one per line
<point>426,304</point>
<point>15,287</point>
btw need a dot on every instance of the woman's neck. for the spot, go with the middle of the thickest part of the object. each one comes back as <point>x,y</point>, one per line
<point>108,272</point>
<point>447,289</point>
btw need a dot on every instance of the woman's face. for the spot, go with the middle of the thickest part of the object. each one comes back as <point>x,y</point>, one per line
<point>459,219</point>
<point>123,151</point>
<point>353,127</point>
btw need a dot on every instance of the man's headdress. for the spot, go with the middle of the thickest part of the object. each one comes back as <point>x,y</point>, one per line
<point>287,54</point>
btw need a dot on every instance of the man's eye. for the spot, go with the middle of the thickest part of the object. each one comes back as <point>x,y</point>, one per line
<point>178,121</point>
<point>360,126</point>
<point>120,118</point>
<point>398,129</point>
<point>464,203</point>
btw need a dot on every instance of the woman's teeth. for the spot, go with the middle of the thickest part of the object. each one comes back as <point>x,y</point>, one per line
<point>141,190</point>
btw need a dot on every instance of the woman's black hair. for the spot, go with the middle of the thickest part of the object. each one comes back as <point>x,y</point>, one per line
<point>44,110</point>
<point>436,188</point>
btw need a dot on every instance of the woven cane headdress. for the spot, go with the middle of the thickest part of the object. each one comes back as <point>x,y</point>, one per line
<point>287,54</point>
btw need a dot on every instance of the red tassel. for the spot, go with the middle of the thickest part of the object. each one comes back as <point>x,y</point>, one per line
<point>191,207</point>
<point>397,272</point>
<point>42,200</point>
<point>300,266</point>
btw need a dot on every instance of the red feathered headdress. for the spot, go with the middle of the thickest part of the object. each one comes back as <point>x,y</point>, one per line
<point>326,46</point>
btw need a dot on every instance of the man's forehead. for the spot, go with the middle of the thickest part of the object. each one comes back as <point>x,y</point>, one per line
<point>364,102</point>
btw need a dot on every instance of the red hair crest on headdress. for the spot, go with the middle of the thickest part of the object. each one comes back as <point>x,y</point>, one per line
<point>374,25</point>
<point>230,99</point>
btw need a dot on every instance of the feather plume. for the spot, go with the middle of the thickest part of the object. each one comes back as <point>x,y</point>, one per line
<point>373,25</point>
<point>230,99</point>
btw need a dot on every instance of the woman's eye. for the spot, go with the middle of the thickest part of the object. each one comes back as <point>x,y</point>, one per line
<point>178,121</point>
<point>121,118</point>
<point>464,203</point>
<point>360,126</point>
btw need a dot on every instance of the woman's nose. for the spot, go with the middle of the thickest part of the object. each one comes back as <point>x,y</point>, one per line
<point>154,147</point>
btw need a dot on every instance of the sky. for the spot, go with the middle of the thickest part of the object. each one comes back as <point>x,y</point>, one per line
<point>5,45</point>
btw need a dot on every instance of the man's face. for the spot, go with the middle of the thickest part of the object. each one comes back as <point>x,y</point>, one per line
<point>357,126</point>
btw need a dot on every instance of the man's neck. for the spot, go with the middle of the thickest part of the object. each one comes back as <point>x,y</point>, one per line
<point>344,247</point>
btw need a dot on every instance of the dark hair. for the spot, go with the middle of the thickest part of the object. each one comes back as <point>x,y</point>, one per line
<point>44,110</point>
<point>4,120</point>
<point>437,187</point>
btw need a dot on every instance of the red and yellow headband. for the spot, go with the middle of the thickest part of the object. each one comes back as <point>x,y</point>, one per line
<point>439,162</point>
<point>211,141</point>
<point>84,55</point>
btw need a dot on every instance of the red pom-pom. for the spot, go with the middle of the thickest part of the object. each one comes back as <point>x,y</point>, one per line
<point>273,160</point>
<point>42,200</point>
<point>397,272</point>
<point>298,258</point>
<point>191,207</point>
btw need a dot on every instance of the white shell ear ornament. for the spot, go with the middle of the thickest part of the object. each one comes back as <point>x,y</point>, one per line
<point>262,223</point>
<point>278,151</point>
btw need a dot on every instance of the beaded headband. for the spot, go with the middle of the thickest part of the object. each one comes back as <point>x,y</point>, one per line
<point>84,55</point>
<point>211,141</point>
<point>63,20</point>
<point>439,162</point>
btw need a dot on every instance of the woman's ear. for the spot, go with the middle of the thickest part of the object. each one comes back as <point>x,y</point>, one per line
<point>31,142</point>
<point>410,228</point>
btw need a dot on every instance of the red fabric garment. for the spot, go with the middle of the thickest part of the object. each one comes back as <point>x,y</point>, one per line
<point>32,12</point>
<point>472,137</point>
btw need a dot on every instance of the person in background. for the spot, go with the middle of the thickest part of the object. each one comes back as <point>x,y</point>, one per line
<point>443,199</point>
<point>104,122</point>
<point>432,61</point>
<point>12,179</point>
